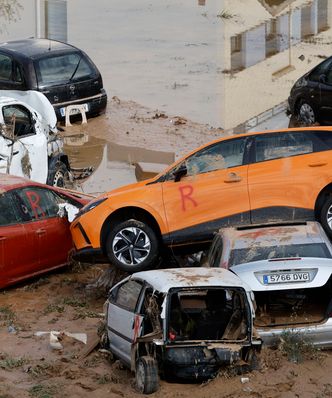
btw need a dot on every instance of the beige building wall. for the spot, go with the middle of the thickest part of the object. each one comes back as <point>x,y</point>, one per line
<point>267,83</point>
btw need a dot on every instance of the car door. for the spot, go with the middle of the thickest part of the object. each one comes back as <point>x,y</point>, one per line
<point>17,254</point>
<point>286,175</point>
<point>212,193</point>
<point>52,238</point>
<point>123,321</point>
<point>28,154</point>
<point>323,93</point>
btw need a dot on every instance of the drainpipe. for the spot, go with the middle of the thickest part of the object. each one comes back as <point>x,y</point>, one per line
<point>37,9</point>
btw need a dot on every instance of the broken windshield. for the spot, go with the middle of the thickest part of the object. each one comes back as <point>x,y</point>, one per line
<point>245,255</point>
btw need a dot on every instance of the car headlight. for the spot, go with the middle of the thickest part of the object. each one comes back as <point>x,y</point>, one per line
<point>90,206</point>
<point>301,83</point>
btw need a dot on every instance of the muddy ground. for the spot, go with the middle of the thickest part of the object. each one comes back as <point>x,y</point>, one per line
<point>29,367</point>
<point>63,301</point>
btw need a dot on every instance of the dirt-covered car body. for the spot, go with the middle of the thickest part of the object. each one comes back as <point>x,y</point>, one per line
<point>33,237</point>
<point>289,269</point>
<point>30,146</point>
<point>180,322</point>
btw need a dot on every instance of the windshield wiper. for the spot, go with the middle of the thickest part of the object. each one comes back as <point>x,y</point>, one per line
<point>78,64</point>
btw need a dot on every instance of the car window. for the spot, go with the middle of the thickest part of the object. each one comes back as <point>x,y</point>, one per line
<point>18,77</point>
<point>322,140</point>
<point>5,67</point>
<point>62,68</point>
<point>37,203</point>
<point>275,146</point>
<point>320,70</point>
<point>258,253</point>
<point>8,211</point>
<point>18,119</point>
<point>83,70</point>
<point>128,294</point>
<point>219,156</point>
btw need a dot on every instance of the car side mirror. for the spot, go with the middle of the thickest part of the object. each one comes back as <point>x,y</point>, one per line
<point>322,78</point>
<point>180,172</point>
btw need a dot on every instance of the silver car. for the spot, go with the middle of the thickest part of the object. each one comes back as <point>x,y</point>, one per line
<point>182,323</point>
<point>289,270</point>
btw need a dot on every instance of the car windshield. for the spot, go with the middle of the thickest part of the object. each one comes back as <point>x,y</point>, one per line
<point>245,255</point>
<point>62,68</point>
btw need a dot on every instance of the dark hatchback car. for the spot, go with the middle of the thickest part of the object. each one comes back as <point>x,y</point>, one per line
<point>310,99</point>
<point>64,73</point>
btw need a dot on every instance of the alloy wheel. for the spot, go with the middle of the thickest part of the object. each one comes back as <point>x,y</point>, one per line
<point>329,217</point>
<point>307,114</point>
<point>131,246</point>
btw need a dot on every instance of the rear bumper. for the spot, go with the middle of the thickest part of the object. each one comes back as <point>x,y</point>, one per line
<point>198,361</point>
<point>320,335</point>
<point>96,103</point>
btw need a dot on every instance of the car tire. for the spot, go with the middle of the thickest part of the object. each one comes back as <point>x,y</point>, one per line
<point>325,216</point>
<point>146,375</point>
<point>132,246</point>
<point>306,113</point>
<point>59,176</point>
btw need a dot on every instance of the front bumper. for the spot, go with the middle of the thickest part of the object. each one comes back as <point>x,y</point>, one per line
<point>320,335</point>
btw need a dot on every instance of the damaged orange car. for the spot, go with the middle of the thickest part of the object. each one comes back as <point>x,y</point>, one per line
<point>258,177</point>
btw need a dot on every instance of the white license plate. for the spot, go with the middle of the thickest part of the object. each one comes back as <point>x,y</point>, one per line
<point>74,111</point>
<point>286,277</point>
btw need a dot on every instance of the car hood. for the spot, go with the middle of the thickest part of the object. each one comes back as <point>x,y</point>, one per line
<point>319,270</point>
<point>127,188</point>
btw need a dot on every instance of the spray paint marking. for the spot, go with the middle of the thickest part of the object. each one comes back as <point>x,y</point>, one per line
<point>186,192</point>
<point>34,200</point>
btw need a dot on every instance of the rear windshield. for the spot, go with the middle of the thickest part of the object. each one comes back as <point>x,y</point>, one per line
<point>240,256</point>
<point>63,68</point>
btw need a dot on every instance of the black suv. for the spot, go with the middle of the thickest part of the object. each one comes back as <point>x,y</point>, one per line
<point>310,98</point>
<point>64,73</point>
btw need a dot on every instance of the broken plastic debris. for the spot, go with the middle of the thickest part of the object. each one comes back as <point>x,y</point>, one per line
<point>66,209</point>
<point>244,380</point>
<point>11,329</point>
<point>54,338</point>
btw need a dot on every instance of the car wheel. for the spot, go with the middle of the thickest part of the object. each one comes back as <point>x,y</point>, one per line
<point>306,113</point>
<point>325,216</point>
<point>59,176</point>
<point>132,246</point>
<point>147,380</point>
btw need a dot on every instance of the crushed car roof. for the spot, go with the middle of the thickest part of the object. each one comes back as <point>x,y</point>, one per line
<point>165,279</point>
<point>274,235</point>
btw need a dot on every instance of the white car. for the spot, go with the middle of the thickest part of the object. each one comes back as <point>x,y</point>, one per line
<point>289,269</point>
<point>29,143</point>
<point>183,322</point>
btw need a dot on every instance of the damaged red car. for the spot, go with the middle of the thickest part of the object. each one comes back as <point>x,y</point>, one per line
<point>34,238</point>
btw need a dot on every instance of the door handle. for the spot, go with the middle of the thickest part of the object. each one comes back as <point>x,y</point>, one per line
<point>317,164</point>
<point>41,231</point>
<point>232,177</point>
<point>3,237</point>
